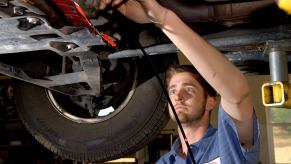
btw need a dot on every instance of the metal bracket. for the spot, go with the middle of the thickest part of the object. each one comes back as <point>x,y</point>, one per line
<point>58,83</point>
<point>90,64</point>
<point>41,36</point>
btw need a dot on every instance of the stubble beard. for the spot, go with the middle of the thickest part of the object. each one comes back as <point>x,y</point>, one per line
<point>186,118</point>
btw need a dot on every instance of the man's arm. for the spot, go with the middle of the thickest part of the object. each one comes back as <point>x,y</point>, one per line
<point>224,77</point>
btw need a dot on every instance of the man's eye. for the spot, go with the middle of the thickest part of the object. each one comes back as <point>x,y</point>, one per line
<point>189,89</point>
<point>172,92</point>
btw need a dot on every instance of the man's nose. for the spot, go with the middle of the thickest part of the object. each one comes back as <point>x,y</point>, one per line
<point>179,96</point>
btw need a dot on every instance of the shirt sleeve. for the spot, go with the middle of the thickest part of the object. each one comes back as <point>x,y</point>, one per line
<point>231,150</point>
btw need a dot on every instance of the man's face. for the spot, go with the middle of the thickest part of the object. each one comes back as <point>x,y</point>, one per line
<point>187,96</point>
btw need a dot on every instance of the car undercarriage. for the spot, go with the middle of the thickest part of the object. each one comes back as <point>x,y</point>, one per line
<point>84,99</point>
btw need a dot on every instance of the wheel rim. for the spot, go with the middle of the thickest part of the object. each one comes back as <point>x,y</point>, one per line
<point>104,113</point>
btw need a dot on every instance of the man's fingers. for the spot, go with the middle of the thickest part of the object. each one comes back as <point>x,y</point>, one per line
<point>104,3</point>
<point>101,5</point>
<point>117,2</point>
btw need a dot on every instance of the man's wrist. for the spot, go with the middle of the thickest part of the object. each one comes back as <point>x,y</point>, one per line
<point>162,19</point>
<point>156,13</point>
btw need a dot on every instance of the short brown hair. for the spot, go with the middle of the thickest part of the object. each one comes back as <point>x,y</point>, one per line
<point>173,69</point>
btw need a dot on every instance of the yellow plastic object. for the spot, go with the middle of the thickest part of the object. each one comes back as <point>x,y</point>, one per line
<point>277,94</point>
<point>285,5</point>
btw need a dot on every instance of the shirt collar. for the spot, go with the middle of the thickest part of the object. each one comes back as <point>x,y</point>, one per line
<point>177,144</point>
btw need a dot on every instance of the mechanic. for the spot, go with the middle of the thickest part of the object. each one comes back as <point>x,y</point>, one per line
<point>236,140</point>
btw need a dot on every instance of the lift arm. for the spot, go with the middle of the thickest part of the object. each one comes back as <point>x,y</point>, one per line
<point>277,93</point>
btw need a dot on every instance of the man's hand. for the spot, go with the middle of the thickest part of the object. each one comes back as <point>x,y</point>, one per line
<point>154,11</point>
<point>132,9</point>
<point>104,3</point>
<point>140,11</point>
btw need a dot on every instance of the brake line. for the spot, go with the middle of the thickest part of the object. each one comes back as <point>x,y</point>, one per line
<point>169,100</point>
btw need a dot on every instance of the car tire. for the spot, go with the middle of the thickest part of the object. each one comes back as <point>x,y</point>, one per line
<point>134,126</point>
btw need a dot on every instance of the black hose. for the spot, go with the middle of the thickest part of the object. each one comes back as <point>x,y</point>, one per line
<point>169,100</point>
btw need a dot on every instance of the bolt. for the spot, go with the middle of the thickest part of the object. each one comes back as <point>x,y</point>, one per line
<point>32,20</point>
<point>18,10</point>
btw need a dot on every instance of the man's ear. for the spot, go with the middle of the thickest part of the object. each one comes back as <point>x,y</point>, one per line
<point>210,103</point>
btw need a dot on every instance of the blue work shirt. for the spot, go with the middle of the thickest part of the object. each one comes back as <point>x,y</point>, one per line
<point>219,145</point>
